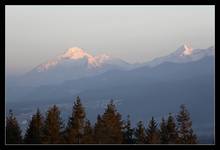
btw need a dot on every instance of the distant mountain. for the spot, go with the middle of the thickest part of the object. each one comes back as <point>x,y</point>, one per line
<point>73,73</point>
<point>182,55</point>
<point>75,63</point>
<point>185,76</point>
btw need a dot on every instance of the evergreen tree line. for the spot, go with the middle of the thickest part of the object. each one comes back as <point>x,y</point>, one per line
<point>108,129</point>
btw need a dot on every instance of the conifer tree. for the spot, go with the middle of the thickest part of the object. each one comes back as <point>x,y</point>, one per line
<point>152,133</point>
<point>76,123</point>
<point>163,132</point>
<point>109,126</point>
<point>128,132</point>
<point>140,136</point>
<point>192,139</point>
<point>34,132</point>
<point>99,130</point>
<point>88,136</point>
<point>52,130</point>
<point>13,131</point>
<point>172,130</point>
<point>185,131</point>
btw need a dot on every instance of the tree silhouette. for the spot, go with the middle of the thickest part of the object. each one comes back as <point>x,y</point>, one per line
<point>140,136</point>
<point>99,130</point>
<point>52,130</point>
<point>128,132</point>
<point>76,123</point>
<point>185,130</point>
<point>163,132</point>
<point>172,131</point>
<point>152,133</point>
<point>34,132</point>
<point>108,129</point>
<point>109,126</point>
<point>88,136</point>
<point>13,131</point>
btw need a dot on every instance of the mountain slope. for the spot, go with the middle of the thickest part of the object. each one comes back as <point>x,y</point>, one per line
<point>182,55</point>
<point>72,64</point>
<point>142,92</point>
<point>112,76</point>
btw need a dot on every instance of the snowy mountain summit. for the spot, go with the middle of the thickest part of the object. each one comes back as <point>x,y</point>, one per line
<point>183,54</point>
<point>74,63</point>
<point>75,53</point>
<point>187,50</point>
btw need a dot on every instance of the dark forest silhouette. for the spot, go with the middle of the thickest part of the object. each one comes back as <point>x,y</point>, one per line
<point>109,128</point>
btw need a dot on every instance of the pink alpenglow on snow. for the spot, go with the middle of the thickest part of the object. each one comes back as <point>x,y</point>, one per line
<point>188,50</point>
<point>75,53</point>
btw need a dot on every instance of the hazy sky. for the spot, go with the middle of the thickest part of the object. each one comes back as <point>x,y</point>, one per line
<point>35,34</point>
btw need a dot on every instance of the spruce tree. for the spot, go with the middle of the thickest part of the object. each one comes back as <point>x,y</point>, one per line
<point>192,139</point>
<point>88,136</point>
<point>128,132</point>
<point>34,132</point>
<point>140,136</point>
<point>163,132</point>
<point>109,126</point>
<point>99,130</point>
<point>76,123</point>
<point>152,133</point>
<point>52,130</point>
<point>185,131</point>
<point>172,130</point>
<point>13,131</point>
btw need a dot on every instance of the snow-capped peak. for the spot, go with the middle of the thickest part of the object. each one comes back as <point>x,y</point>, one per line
<point>183,54</point>
<point>75,53</point>
<point>187,50</point>
<point>78,53</point>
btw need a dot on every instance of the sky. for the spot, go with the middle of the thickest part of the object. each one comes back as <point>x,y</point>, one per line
<point>35,34</point>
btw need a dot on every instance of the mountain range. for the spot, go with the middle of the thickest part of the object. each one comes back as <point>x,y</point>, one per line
<point>153,88</point>
<point>74,63</point>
